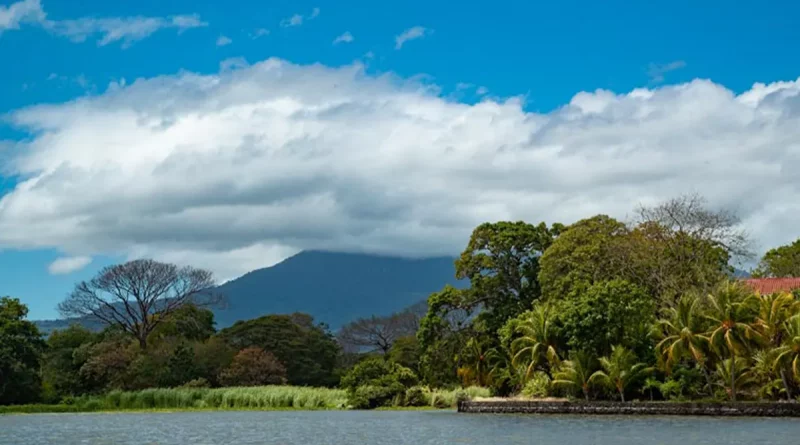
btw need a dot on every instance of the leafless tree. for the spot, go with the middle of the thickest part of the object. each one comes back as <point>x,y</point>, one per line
<point>689,214</point>
<point>380,333</point>
<point>138,295</point>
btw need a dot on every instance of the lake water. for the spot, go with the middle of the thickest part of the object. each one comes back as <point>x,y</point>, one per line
<point>387,428</point>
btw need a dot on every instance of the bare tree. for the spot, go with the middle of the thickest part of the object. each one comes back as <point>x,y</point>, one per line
<point>380,333</point>
<point>138,295</point>
<point>689,214</point>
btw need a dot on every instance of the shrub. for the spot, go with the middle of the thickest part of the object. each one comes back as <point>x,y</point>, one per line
<point>370,397</point>
<point>197,383</point>
<point>253,367</point>
<point>417,396</point>
<point>538,386</point>
<point>375,382</point>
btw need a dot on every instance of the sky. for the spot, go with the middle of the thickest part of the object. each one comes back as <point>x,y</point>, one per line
<point>231,135</point>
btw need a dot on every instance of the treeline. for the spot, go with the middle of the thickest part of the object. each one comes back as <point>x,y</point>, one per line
<point>605,309</point>
<point>597,309</point>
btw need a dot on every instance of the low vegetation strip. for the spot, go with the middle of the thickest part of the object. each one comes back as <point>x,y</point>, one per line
<point>238,398</point>
<point>751,409</point>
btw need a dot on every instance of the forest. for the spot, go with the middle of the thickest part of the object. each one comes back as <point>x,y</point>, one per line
<point>600,309</point>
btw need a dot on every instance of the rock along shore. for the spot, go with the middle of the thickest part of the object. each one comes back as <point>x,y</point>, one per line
<point>751,409</point>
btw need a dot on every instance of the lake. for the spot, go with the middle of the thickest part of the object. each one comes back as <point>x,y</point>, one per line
<point>387,428</point>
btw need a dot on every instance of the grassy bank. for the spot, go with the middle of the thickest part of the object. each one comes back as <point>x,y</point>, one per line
<point>252,398</point>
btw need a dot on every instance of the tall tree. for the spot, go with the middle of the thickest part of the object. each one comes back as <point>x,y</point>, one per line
<point>680,333</point>
<point>535,344</point>
<point>780,262</point>
<point>139,295</point>
<point>308,351</point>
<point>585,252</point>
<point>21,348</point>
<point>576,373</point>
<point>732,314</point>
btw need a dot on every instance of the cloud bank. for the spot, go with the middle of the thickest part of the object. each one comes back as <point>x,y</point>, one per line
<point>238,170</point>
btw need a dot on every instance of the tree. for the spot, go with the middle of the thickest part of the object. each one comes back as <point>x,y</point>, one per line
<point>405,352</point>
<point>780,262</point>
<point>61,366</point>
<point>21,348</point>
<point>379,333</point>
<point>788,354</point>
<point>620,370</point>
<point>681,333</point>
<point>253,367</point>
<point>139,295</point>
<point>584,253</point>
<point>308,351</point>
<point>376,382</point>
<point>732,315</point>
<point>608,313</point>
<point>474,366</point>
<point>211,357</point>
<point>188,322</point>
<point>576,373</point>
<point>535,345</point>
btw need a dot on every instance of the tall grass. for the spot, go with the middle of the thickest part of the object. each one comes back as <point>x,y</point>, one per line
<point>261,397</point>
<point>442,397</point>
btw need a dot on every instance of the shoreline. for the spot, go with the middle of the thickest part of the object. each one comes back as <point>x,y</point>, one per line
<point>638,408</point>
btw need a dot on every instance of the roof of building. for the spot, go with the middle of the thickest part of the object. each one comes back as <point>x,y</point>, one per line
<point>773,285</point>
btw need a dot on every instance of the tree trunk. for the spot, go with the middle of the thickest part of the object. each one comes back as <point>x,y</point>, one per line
<point>708,379</point>
<point>786,385</point>
<point>622,395</point>
<point>586,393</point>
<point>143,343</point>
<point>733,377</point>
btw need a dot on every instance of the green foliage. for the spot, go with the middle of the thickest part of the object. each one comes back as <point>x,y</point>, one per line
<point>308,351</point>
<point>620,371</point>
<point>584,253</point>
<point>417,396</point>
<point>377,382</point>
<point>575,375</point>
<point>605,314</point>
<point>21,348</point>
<point>534,340</point>
<point>405,352</point>
<point>783,261</point>
<point>187,322</point>
<point>537,386</point>
<point>62,364</point>
<point>680,333</point>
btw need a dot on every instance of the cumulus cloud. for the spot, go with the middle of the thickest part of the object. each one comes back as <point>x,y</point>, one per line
<point>260,32</point>
<point>66,265</point>
<point>656,71</point>
<point>416,32</point>
<point>346,37</point>
<point>224,40</point>
<point>237,170</point>
<point>126,30</point>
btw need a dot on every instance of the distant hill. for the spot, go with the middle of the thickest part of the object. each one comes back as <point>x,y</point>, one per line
<point>335,287</point>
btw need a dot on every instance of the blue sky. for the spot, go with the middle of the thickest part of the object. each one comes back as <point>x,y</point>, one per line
<point>542,53</point>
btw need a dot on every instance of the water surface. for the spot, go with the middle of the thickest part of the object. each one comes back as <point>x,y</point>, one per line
<point>387,428</point>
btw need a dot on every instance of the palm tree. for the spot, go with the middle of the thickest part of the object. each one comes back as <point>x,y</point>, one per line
<point>620,370</point>
<point>474,363</point>
<point>734,374</point>
<point>731,313</point>
<point>681,333</point>
<point>774,310</point>
<point>536,345</point>
<point>576,373</point>
<point>788,354</point>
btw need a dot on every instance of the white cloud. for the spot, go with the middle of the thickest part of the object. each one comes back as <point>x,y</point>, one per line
<point>236,170</point>
<point>66,265</point>
<point>295,20</point>
<point>108,30</point>
<point>481,91</point>
<point>656,72</point>
<point>15,14</point>
<point>260,32</point>
<point>346,37</point>
<point>416,32</point>
<point>314,13</point>
<point>461,86</point>
<point>223,40</point>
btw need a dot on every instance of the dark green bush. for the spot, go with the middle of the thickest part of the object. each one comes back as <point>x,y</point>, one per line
<point>416,396</point>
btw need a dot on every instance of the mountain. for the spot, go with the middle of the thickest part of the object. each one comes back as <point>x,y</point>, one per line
<point>335,287</point>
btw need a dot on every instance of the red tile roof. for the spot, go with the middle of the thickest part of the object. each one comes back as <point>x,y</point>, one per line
<point>773,285</point>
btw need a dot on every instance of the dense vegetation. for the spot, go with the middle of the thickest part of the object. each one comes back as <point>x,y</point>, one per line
<point>599,309</point>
